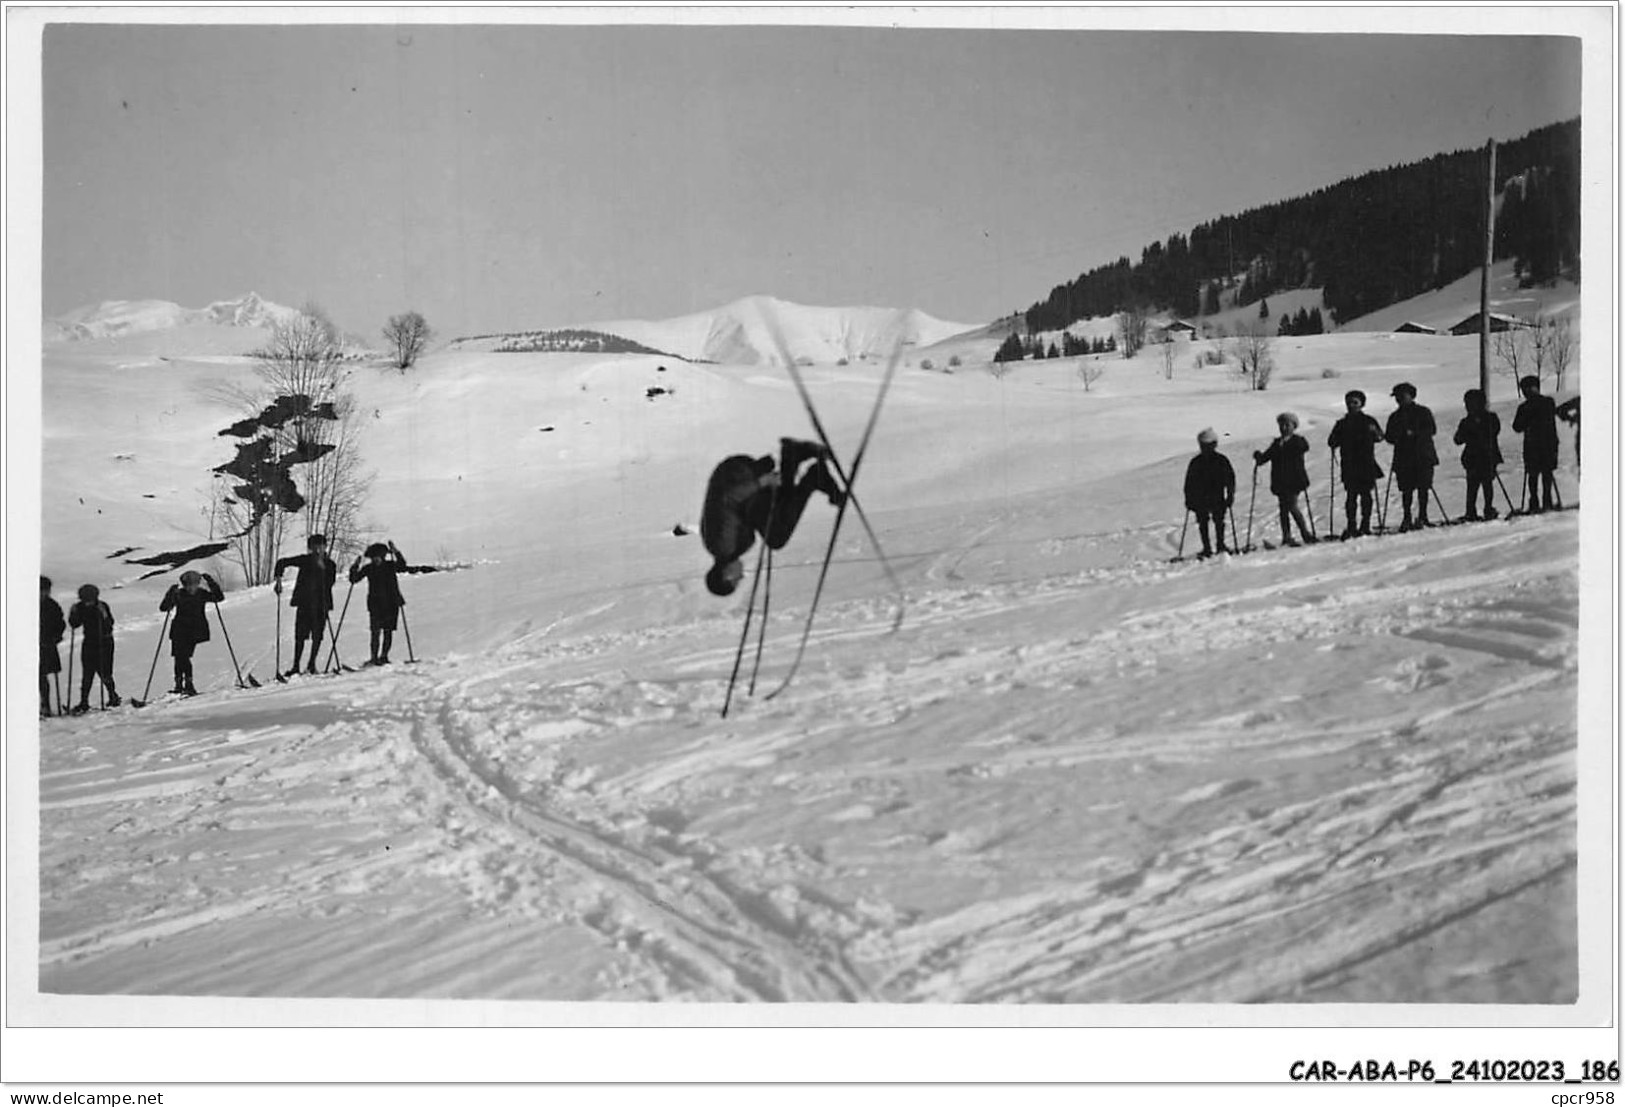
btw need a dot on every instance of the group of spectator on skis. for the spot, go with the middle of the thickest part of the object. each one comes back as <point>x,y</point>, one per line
<point>185,605</point>
<point>1210,481</point>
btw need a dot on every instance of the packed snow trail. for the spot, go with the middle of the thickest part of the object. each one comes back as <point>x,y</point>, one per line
<point>1343,773</point>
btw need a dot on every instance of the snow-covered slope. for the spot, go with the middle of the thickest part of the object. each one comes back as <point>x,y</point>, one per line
<point>1076,773</point>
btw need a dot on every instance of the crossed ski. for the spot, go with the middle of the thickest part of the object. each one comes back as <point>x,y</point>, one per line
<point>847,477</point>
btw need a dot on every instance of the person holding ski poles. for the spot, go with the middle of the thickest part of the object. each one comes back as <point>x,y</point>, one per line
<point>96,649</point>
<point>746,497</point>
<point>384,600</point>
<point>1355,437</point>
<point>1289,476</point>
<point>312,597</point>
<point>1536,420</point>
<point>1210,489</point>
<point>190,601</point>
<point>52,626</point>
<point>1410,431</point>
<point>1478,434</point>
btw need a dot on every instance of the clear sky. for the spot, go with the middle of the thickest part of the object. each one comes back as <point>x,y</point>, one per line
<point>502,177</point>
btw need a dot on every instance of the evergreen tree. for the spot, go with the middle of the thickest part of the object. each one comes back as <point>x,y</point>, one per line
<point>1263,309</point>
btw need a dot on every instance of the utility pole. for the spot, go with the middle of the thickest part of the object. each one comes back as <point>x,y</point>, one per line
<point>1484,278</point>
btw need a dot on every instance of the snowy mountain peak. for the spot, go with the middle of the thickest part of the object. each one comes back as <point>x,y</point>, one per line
<point>119,318</point>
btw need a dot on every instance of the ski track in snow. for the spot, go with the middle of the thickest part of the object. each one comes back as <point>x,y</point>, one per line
<point>1108,785</point>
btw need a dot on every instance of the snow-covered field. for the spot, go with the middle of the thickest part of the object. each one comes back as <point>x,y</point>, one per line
<point>1077,772</point>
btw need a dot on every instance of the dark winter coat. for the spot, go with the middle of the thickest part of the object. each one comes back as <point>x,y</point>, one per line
<point>383,586</point>
<point>737,506</point>
<point>1536,420</point>
<point>191,621</point>
<point>52,626</point>
<point>1289,474</point>
<point>1355,437</point>
<point>1210,483</point>
<point>314,585</point>
<point>97,622</point>
<point>1479,436</point>
<point>1410,430</point>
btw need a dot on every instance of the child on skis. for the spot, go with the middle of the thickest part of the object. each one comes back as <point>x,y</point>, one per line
<point>1355,437</point>
<point>1536,420</point>
<point>52,626</point>
<point>746,497</point>
<point>1289,476</point>
<point>384,600</point>
<point>189,600</point>
<point>312,597</point>
<point>1210,489</point>
<point>96,649</point>
<point>1478,434</point>
<point>1410,430</point>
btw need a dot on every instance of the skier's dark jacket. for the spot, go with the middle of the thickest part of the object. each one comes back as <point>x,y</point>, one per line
<point>383,584</point>
<point>737,507</point>
<point>52,626</point>
<point>314,585</point>
<point>1479,437</point>
<point>97,621</point>
<point>1356,436</point>
<point>1210,483</point>
<point>1288,473</point>
<point>1411,430</point>
<point>1536,420</point>
<point>191,622</point>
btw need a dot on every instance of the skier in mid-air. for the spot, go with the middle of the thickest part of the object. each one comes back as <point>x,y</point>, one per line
<point>746,497</point>
<point>312,597</point>
<point>189,600</point>
<point>384,599</point>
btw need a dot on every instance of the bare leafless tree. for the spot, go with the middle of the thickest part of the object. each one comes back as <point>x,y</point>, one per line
<point>302,420</point>
<point>1131,327</point>
<point>1513,352</point>
<point>408,336</point>
<point>1254,351</point>
<point>1090,370</point>
<point>1553,344</point>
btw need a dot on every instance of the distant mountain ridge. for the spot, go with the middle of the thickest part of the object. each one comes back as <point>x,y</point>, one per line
<point>743,332</point>
<point>121,318</point>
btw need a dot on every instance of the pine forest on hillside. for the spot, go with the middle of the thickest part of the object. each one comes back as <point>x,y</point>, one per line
<point>1368,241</point>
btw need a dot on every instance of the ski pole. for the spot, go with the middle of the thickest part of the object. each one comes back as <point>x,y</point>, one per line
<point>1387,491</point>
<point>218,614</point>
<point>1523,492</point>
<point>1507,496</point>
<point>147,691</point>
<point>280,679</point>
<point>332,657</point>
<point>56,679</point>
<point>1309,506</point>
<point>72,631</point>
<point>1444,513</point>
<point>411,658</point>
<point>1230,508</point>
<point>1180,556</point>
<point>338,665</point>
<point>1251,503</point>
<point>1331,497</point>
<point>744,635</point>
<point>761,629</point>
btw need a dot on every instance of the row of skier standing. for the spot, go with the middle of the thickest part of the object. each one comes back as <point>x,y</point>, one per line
<point>186,622</point>
<point>1210,480</point>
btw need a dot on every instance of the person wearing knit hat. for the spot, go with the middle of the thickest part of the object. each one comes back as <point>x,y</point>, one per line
<point>1289,476</point>
<point>1536,420</point>
<point>1210,489</point>
<point>189,600</point>
<point>1354,440</point>
<point>96,651</point>
<point>1410,431</point>
<point>1479,436</point>
<point>384,599</point>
